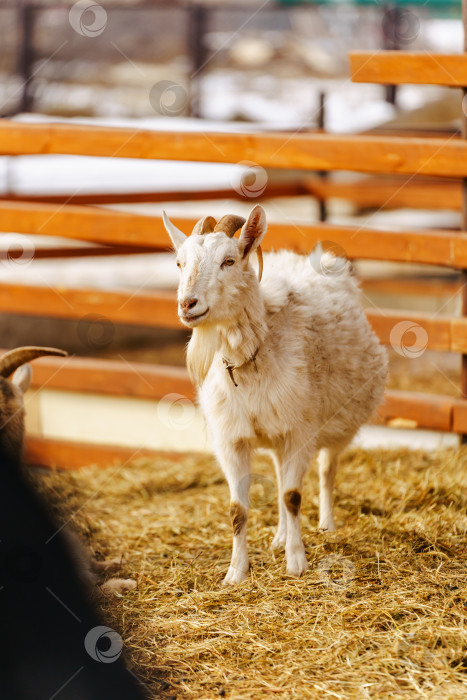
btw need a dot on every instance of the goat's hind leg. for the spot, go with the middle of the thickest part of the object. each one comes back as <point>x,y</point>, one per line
<point>235,463</point>
<point>281,535</point>
<point>293,470</point>
<point>328,459</point>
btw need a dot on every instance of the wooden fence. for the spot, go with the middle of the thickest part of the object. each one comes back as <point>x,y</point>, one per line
<point>117,232</point>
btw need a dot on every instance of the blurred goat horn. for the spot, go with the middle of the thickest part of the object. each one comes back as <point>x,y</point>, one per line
<point>259,253</point>
<point>15,358</point>
<point>229,224</point>
<point>205,225</point>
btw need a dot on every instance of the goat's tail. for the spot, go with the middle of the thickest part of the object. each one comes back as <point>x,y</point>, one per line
<point>330,259</point>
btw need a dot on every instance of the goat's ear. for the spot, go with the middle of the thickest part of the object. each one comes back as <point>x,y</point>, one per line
<point>22,377</point>
<point>253,231</point>
<point>176,236</point>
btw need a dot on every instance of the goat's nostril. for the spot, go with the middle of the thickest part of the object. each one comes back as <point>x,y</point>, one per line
<point>189,303</point>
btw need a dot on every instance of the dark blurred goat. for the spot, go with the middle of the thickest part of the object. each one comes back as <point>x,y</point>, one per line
<point>53,646</point>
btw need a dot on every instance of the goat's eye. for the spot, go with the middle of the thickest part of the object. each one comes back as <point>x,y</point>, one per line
<point>178,264</point>
<point>228,261</point>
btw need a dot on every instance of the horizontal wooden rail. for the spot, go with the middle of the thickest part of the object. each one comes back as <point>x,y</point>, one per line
<point>391,192</point>
<point>112,377</point>
<point>65,454</point>
<point>274,189</point>
<point>145,381</point>
<point>363,153</point>
<point>417,286</point>
<point>426,331</point>
<point>109,227</point>
<point>140,380</point>
<point>383,192</point>
<point>84,223</point>
<point>417,67</point>
<point>49,253</point>
<point>419,410</point>
<point>428,411</point>
<point>159,309</point>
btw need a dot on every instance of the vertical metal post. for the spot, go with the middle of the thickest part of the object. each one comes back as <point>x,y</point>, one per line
<point>464,217</point>
<point>322,173</point>
<point>26,54</point>
<point>391,29</point>
<point>197,21</point>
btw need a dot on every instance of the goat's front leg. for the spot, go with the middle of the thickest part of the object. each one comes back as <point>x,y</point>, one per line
<point>235,463</point>
<point>294,468</point>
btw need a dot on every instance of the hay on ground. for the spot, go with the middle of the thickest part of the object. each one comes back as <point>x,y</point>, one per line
<point>381,613</point>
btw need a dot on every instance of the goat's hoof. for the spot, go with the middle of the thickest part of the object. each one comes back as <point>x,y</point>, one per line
<point>234,575</point>
<point>278,541</point>
<point>118,586</point>
<point>296,562</point>
<point>327,527</point>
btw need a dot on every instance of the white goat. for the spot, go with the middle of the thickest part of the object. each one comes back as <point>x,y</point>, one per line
<point>291,365</point>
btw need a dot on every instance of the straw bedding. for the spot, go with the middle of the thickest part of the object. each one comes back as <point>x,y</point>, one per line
<point>381,613</point>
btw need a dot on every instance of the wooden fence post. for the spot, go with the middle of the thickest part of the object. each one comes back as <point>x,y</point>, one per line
<point>464,217</point>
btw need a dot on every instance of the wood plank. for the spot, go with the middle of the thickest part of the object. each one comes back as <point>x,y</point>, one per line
<point>433,247</point>
<point>417,286</point>
<point>69,455</point>
<point>112,377</point>
<point>309,151</point>
<point>459,420</point>
<point>458,335</point>
<point>109,227</point>
<point>416,332</point>
<point>159,310</point>
<point>416,67</point>
<point>424,410</point>
<point>52,253</point>
<point>84,223</point>
<point>279,189</point>
<point>154,382</point>
<point>391,193</point>
<point>428,411</point>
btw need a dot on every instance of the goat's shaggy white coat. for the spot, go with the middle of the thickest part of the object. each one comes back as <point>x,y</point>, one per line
<point>309,370</point>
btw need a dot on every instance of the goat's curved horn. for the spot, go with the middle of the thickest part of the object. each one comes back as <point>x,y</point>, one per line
<point>229,224</point>
<point>259,254</point>
<point>15,358</point>
<point>205,225</point>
